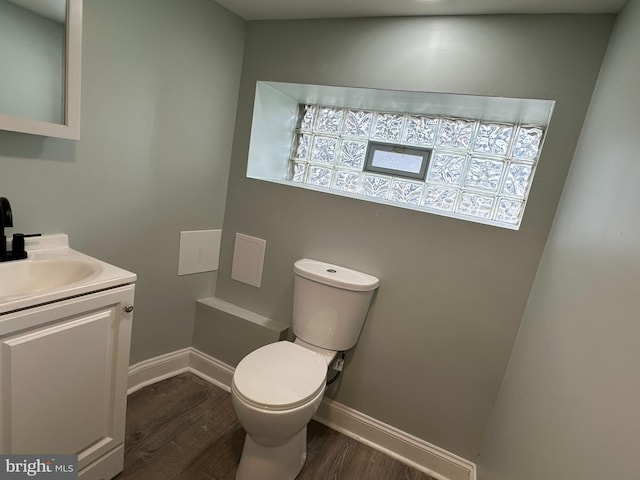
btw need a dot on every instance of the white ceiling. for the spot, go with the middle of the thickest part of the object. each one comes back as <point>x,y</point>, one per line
<point>298,9</point>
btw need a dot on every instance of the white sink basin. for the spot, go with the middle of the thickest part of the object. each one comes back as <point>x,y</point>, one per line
<point>53,272</point>
<point>27,277</point>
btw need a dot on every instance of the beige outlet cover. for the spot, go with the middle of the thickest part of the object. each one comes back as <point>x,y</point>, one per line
<point>199,251</point>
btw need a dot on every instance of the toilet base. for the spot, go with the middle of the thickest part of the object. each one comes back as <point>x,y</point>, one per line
<point>283,462</point>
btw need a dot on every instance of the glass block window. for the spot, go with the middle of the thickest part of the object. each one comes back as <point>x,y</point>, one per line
<point>477,170</point>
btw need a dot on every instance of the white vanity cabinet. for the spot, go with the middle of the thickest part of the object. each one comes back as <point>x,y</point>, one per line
<point>63,379</point>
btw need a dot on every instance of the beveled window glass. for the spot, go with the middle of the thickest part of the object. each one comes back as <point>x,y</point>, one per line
<point>493,139</point>
<point>484,174</point>
<point>475,169</point>
<point>455,133</point>
<point>447,168</point>
<point>358,123</point>
<point>329,119</point>
<point>352,154</point>
<point>388,127</point>
<point>420,131</point>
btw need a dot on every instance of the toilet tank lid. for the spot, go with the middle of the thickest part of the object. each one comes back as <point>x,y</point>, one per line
<point>335,275</point>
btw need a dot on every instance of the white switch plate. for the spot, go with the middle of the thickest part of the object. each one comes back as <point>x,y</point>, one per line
<point>248,258</point>
<point>199,251</point>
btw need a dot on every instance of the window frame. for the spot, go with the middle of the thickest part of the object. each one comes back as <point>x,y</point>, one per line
<point>373,147</point>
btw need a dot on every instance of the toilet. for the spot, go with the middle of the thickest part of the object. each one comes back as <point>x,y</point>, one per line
<point>277,388</point>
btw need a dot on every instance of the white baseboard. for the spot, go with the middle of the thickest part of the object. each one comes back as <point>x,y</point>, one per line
<point>400,445</point>
<point>171,364</point>
<point>158,369</point>
<point>406,448</point>
<point>211,369</point>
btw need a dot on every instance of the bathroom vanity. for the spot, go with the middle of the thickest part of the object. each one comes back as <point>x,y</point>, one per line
<point>65,330</point>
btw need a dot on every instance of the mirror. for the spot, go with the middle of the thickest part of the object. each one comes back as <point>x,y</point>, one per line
<point>40,55</point>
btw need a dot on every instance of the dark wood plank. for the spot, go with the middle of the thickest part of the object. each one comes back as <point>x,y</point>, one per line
<point>184,428</point>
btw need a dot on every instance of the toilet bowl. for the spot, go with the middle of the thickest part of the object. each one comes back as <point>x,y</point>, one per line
<point>277,388</point>
<point>275,391</point>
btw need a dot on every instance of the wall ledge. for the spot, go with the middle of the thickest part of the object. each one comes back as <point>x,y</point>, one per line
<point>232,309</point>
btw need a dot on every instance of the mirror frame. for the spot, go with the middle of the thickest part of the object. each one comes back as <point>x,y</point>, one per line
<point>70,129</point>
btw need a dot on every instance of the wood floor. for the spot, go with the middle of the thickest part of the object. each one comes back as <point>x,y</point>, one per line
<point>184,428</point>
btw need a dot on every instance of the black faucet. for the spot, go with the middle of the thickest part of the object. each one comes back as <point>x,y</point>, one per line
<point>18,251</point>
<point>6,220</point>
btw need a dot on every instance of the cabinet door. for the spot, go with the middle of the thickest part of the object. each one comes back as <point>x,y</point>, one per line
<point>63,384</point>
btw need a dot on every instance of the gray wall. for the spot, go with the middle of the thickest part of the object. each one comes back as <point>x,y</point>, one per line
<point>438,337</point>
<point>568,407</point>
<point>160,85</point>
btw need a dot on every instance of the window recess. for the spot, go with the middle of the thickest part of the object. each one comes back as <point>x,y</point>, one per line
<point>477,165</point>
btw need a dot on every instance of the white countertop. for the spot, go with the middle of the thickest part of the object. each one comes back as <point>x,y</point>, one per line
<point>52,248</point>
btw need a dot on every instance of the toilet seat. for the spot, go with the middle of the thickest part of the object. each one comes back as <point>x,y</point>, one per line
<point>280,376</point>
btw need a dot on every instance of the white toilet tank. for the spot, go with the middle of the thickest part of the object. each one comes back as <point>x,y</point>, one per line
<point>330,303</point>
